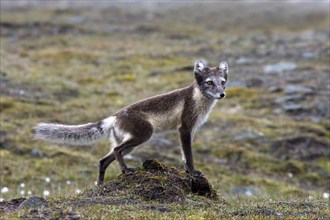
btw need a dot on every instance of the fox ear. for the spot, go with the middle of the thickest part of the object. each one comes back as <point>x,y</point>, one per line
<point>199,66</point>
<point>223,66</point>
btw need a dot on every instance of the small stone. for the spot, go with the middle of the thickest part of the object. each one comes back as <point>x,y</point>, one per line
<point>245,60</point>
<point>279,67</point>
<point>291,89</point>
<point>3,137</point>
<point>275,89</point>
<point>309,55</point>
<point>236,84</point>
<point>289,98</point>
<point>36,152</point>
<point>33,202</point>
<point>293,108</point>
<point>254,83</point>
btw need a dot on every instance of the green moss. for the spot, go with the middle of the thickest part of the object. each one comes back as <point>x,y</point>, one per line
<point>290,166</point>
<point>6,103</point>
<point>243,93</point>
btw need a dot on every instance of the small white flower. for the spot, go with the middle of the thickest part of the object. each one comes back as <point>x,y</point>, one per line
<point>78,191</point>
<point>4,189</point>
<point>310,197</point>
<point>29,192</point>
<point>47,179</point>
<point>95,183</point>
<point>290,175</point>
<point>326,195</point>
<point>68,182</point>
<point>22,185</point>
<point>248,193</point>
<point>1,199</point>
<point>46,193</point>
<point>22,192</point>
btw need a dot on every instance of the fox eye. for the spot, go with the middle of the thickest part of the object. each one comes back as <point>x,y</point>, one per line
<point>210,83</point>
<point>223,81</point>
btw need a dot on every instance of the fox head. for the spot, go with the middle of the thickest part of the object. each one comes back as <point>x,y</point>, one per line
<point>211,81</point>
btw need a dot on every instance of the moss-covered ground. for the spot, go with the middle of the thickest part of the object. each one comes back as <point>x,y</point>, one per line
<point>81,64</point>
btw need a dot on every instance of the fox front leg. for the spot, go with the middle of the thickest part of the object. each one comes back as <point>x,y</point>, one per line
<point>186,139</point>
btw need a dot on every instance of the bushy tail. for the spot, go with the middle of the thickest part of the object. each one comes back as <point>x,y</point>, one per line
<point>73,134</point>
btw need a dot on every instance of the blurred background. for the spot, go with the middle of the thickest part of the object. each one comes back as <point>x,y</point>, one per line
<point>75,62</point>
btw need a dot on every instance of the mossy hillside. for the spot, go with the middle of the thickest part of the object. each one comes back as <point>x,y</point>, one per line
<point>160,191</point>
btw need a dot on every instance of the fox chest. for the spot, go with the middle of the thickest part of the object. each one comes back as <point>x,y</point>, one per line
<point>167,120</point>
<point>203,110</point>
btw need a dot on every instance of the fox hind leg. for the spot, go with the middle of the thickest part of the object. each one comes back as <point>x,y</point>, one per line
<point>104,163</point>
<point>125,148</point>
<point>138,131</point>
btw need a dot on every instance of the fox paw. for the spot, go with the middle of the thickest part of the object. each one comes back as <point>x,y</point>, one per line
<point>129,171</point>
<point>195,173</point>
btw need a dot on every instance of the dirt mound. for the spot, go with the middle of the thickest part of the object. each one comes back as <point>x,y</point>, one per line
<point>158,182</point>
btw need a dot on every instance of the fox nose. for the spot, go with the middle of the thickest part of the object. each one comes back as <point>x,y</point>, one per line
<point>222,95</point>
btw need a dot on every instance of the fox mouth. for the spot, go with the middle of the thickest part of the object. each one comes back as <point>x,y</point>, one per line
<point>211,96</point>
<point>221,97</point>
<point>218,95</point>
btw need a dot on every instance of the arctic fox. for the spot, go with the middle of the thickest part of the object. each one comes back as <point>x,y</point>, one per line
<point>183,109</point>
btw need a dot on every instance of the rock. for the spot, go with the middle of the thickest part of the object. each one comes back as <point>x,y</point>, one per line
<point>3,138</point>
<point>236,84</point>
<point>292,103</point>
<point>33,202</point>
<point>75,20</point>
<point>309,55</point>
<point>289,98</point>
<point>246,191</point>
<point>275,89</point>
<point>292,89</point>
<point>279,67</point>
<point>155,73</point>
<point>300,148</point>
<point>294,108</point>
<point>36,152</point>
<point>245,60</point>
<point>254,82</point>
